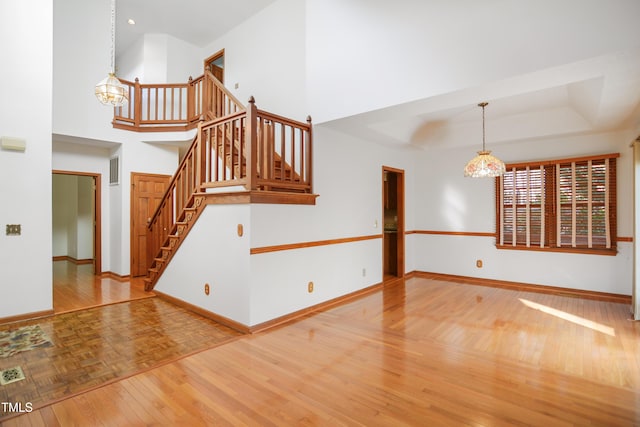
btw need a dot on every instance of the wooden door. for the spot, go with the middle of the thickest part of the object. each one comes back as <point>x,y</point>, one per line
<point>393,217</point>
<point>147,191</point>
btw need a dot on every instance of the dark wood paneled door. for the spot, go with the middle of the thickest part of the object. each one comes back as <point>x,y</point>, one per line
<point>393,216</point>
<point>147,191</point>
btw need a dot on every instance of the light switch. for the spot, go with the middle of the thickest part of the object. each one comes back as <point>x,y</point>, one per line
<point>14,229</point>
<point>15,144</point>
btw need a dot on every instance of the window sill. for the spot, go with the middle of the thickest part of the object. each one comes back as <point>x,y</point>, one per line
<point>610,252</point>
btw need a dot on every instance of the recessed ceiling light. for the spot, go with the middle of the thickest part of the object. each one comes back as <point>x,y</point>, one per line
<point>131,21</point>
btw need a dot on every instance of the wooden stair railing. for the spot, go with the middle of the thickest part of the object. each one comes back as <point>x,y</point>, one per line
<point>249,147</point>
<point>172,107</point>
<point>217,101</point>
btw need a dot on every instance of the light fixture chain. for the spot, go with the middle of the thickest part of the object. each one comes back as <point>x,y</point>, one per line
<point>113,36</point>
<point>483,144</point>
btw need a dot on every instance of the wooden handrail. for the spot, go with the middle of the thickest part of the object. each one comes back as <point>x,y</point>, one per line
<point>218,100</point>
<point>174,106</point>
<point>161,107</point>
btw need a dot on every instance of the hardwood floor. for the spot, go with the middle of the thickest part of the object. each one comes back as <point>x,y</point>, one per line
<point>75,287</point>
<point>419,352</point>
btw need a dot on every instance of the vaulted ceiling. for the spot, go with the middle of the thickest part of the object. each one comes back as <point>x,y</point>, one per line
<point>195,21</point>
<point>592,96</point>
<point>595,95</point>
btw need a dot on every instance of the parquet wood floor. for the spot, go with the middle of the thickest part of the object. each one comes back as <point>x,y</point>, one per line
<point>98,345</point>
<point>421,352</point>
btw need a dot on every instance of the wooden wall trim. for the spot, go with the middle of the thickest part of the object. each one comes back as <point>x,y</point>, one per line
<point>259,197</point>
<point>452,233</point>
<point>26,316</point>
<point>73,260</point>
<point>289,246</point>
<point>204,313</point>
<point>525,287</point>
<point>273,322</point>
<point>115,276</point>
<point>481,234</point>
<point>315,308</point>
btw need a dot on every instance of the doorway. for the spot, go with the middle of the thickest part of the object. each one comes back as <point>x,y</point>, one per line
<point>215,63</point>
<point>76,211</point>
<point>147,191</point>
<point>393,215</point>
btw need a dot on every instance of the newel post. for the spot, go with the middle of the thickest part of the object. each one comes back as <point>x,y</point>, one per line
<point>251,145</point>
<point>137,106</point>
<point>200,159</point>
<point>191,100</point>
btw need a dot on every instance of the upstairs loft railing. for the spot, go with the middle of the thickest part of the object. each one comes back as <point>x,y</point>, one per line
<point>173,107</point>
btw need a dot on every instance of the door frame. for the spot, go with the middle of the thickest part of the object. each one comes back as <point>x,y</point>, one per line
<point>400,196</point>
<point>210,59</point>
<point>97,215</point>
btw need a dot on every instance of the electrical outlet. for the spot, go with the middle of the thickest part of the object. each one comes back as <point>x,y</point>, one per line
<point>310,287</point>
<point>479,263</point>
<point>207,289</point>
<point>364,272</point>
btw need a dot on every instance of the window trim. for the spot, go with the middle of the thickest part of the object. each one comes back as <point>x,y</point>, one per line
<point>499,204</point>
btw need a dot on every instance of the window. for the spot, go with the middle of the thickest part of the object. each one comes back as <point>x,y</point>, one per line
<point>560,205</point>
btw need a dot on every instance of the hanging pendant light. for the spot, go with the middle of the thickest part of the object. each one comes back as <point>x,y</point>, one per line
<point>110,91</point>
<point>484,164</point>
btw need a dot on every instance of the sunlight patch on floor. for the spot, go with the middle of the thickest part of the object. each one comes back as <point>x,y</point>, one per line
<point>570,317</point>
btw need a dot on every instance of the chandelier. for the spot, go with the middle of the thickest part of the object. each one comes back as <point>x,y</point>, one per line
<point>484,164</point>
<point>110,91</point>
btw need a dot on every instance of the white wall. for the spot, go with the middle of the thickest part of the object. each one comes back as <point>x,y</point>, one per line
<point>85,217</point>
<point>275,283</point>
<point>62,212</point>
<point>214,254</point>
<point>348,179</point>
<point>447,201</point>
<point>279,280</point>
<point>185,60</point>
<point>160,58</point>
<point>25,177</point>
<point>130,63</point>
<point>367,54</point>
<point>82,46</point>
<point>265,55</point>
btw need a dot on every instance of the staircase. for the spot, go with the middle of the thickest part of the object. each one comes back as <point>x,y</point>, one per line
<point>235,146</point>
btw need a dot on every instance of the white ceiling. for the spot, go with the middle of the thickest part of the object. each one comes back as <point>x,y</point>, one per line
<point>595,95</point>
<point>198,22</point>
